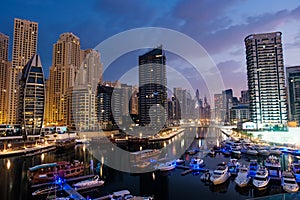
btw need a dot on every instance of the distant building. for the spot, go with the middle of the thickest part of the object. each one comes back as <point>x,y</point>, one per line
<point>227,97</point>
<point>5,66</point>
<point>153,88</point>
<point>32,97</point>
<point>205,112</point>
<point>244,97</point>
<point>266,81</point>
<point>293,89</point>
<point>180,103</point>
<point>239,113</point>
<point>24,47</point>
<point>218,109</point>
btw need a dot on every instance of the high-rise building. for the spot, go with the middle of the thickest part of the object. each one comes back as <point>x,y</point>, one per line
<point>266,81</point>
<point>218,102</point>
<point>293,89</point>
<point>32,97</point>
<point>24,47</point>
<point>4,69</point>
<point>81,98</point>
<point>244,97</point>
<point>180,105</point>
<point>66,61</point>
<point>153,88</point>
<point>227,103</point>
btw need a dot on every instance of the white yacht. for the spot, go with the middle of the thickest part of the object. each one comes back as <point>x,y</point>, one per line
<point>251,151</point>
<point>295,167</point>
<point>220,174</point>
<point>243,177</point>
<point>275,151</point>
<point>274,167</point>
<point>261,179</point>
<point>166,167</point>
<point>288,182</point>
<point>89,183</point>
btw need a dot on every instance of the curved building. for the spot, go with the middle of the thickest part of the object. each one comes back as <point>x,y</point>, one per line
<point>32,97</point>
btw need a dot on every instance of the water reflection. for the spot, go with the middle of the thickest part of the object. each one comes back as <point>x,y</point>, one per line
<point>166,186</point>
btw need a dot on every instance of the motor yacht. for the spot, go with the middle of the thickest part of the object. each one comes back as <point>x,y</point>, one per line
<point>261,179</point>
<point>288,182</point>
<point>220,174</point>
<point>295,167</point>
<point>274,167</point>
<point>243,177</point>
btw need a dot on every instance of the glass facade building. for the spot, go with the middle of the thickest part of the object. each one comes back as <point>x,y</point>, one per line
<point>32,97</point>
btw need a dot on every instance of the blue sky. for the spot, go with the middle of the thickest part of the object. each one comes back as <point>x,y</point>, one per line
<point>219,26</point>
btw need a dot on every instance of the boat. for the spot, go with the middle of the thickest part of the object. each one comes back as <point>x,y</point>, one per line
<point>251,151</point>
<point>295,167</point>
<point>145,155</point>
<point>220,174</point>
<point>178,161</point>
<point>275,151</point>
<point>261,178</point>
<point>95,182</point>
<point>296,152</point>
<point>274,167</point>
<point>262,151</point>
<point>205,176</point>
<point>236,153</point>
<point>192,151</point>
<point>211,152</point>
<point>233,166</point>
<point>243,177</point>
<point>63,145</point>
<point>46,190</point>
<point>286,150</point>
<point>253,167</point>
<point>288,182</point>
<point>52,171</point>
<point>166,167</point>
<point>196,163</point>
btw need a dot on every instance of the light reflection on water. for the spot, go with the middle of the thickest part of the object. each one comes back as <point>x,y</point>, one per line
<point>163,186</point>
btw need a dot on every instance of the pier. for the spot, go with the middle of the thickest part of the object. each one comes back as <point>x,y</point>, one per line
<point>72,192</point>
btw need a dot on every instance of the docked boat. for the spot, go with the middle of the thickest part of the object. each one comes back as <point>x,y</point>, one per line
<point>192,151</point>
<point>275,151</point>
<point>261,178</point>
<point>262,151</point>
<point>251,151</point>
<point>296,152</point>
<point>205,176</point>
<point>288,182</point>
<point>233,166</point>
<point>220,174</point>
<point>178,161</point>
<point>46,190</point>
<point>274,167</point>
<point>243,177</point>
<point>166,167</point>
<point>253,167</point>
<point>295,167</point>
<point>50,171</point>
<point>63,145</point>
<point>196,163</point>
<point>144,155</point>
<point>236,153</point>
<point>95,182</point>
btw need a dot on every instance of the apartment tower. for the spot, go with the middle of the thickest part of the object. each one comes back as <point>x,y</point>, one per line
<point>266,81</point>
<point>24,47</point>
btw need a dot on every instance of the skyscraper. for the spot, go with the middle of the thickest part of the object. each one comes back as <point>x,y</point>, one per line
<point>4,69</point>
<point>32,97</point>
<point>218,101</point>
<point>24,47</point>
<point>65,62</point>
<point>152,88</point>
<point>293,89</point>
<point>81,98</point>
<point>266,81</point>
<point>227,97</point>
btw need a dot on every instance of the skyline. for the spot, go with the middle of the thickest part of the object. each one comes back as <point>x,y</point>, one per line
<point>220,27</point>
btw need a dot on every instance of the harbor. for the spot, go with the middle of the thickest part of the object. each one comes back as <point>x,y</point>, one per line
<point>161,183</point>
